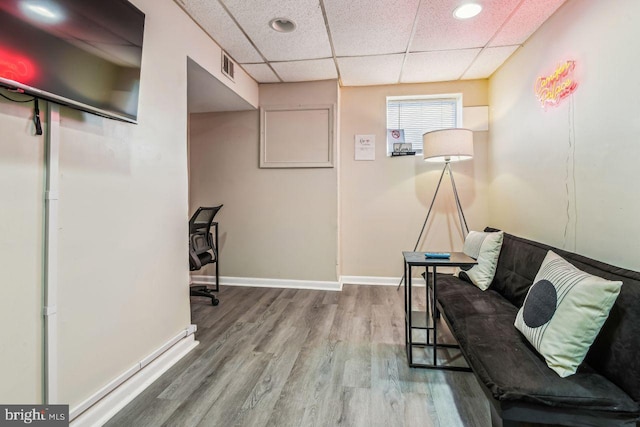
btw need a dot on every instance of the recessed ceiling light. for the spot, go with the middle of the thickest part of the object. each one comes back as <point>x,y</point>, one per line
<point>43,11</point>
<point>282,25</point>
<point>466,11</point>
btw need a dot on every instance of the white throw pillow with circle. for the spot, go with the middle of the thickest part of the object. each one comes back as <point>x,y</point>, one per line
<point>564,311</point>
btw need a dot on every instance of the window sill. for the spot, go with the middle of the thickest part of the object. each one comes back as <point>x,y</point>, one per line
<point>403,154</point>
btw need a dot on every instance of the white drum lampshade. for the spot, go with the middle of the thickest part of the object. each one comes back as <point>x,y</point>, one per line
<point>447,145</point>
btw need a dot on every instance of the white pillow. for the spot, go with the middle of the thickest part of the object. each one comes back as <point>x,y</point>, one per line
<point>484,248</point>
<point>564,311</point>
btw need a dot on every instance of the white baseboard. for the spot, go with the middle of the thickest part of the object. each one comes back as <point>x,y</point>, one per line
<point>377,280</point>
<point>97,410</point>
<point>268,283</point>
<point>370,280</point>
<point>301,284</point>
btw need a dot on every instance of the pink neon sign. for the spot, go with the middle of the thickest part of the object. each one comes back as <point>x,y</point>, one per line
<point>552,89</point>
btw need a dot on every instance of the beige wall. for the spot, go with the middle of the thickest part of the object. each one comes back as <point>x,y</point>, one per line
<point>276,223</point>
<point>574,167</point>
<point>123,224</point>
<point>384,202</point>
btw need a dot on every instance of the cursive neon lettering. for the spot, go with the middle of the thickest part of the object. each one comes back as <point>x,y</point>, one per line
<point>551,89</point>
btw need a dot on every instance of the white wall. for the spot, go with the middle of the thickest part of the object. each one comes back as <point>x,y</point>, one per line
<point>573,167</point>
<point>123,223</point>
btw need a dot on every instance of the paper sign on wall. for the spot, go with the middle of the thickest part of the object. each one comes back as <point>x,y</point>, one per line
<point>395,136</point>
<point>365,147</point>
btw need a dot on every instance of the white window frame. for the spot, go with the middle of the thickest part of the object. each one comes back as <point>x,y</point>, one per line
<point>454,96</point>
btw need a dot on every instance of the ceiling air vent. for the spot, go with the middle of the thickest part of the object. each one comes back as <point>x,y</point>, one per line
<point>227,66</point>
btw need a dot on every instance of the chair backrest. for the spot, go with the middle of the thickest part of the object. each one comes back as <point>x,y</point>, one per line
<point>200,242</point>
<point>201,245</point>
<point>203,217</point>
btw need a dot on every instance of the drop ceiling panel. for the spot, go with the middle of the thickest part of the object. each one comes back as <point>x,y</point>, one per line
<point>369,37</point>
<point>525,21</point>
<point>217,23</point>
<point>488,61</point>
<point>261,73</point>
<point>370,27</point>
<point>308,41</point>
<point>299,71</point>
<point>370,70</point>
<point>437,66</point>
<point>438,30</point>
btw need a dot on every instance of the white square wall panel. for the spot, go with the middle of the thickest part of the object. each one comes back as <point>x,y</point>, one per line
<point>437,66</point>
<point>370,27</point>
<point>300,71</point>
<point>370,70</point>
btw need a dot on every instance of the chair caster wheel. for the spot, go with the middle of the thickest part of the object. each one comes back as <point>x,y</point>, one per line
<point>215,301</point>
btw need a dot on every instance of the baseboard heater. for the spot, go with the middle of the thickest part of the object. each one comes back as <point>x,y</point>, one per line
<point>117,382</point>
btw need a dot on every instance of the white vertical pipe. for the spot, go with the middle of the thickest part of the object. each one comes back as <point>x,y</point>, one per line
<point>51,254</point>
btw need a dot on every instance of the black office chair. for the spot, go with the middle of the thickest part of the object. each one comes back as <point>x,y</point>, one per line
<point>203,248</point>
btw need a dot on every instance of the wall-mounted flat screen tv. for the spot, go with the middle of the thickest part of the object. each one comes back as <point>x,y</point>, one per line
<point>82,53</point>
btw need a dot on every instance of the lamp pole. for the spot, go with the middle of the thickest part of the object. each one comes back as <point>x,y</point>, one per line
<point>463,221</point>
<point>446,145</point>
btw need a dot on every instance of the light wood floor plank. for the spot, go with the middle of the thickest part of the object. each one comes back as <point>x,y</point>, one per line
<point>257,408</point>
<point>387,404</point>
<point>356,408</point>
<point>357,370</point>
<point>216,388</point>
<point>287,357</point>
<point>418,411</point>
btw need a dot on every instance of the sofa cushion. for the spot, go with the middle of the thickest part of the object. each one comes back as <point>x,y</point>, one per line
<point>484,247</point>
<point>518,264</point>
<point>464,299</point>
<point>507,365</point>
<point>564,311</point>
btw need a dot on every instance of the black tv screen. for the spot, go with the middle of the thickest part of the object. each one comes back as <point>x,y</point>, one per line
<point>82,53</point>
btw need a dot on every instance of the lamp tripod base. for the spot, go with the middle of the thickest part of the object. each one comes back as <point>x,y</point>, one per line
<point>463,221</point>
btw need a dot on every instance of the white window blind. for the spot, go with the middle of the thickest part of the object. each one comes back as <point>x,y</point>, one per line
<point>417,116</point>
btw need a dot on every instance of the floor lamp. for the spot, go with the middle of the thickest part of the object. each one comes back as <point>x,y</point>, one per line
<point>446,145</point>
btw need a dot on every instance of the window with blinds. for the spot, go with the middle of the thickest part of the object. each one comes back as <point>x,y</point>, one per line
<point>417,115</point>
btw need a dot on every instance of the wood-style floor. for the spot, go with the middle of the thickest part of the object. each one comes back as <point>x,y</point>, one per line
<point>282,357</point>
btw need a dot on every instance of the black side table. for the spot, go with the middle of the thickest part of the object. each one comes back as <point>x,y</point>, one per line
<point>420,319</point>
